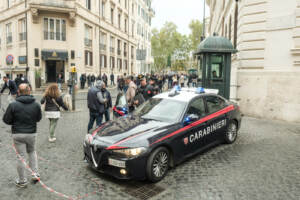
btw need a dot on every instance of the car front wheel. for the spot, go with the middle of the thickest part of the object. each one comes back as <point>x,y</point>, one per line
<point>158,164</point>
<point>231,133</point>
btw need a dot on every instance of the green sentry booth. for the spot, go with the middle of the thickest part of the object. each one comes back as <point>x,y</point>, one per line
<point>214,56</point>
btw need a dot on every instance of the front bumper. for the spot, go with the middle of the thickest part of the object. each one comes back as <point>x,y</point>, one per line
<point>98,160</point>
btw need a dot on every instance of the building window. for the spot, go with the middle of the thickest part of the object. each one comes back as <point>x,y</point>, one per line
<point>112,44</point>
<point>8,3</point>
<point>132,7</point>
<point>119,64</point>
<point>132,52</point>
<point>112,15</point>
<point>125,64</point>
<point>139,10</point>
<point>132,27</point>
<point>54,29</point>
<point>88,58</point>
<point>119,20</point>
<point>22,29</point>
<point>103,41</point>
<point>8,34</point>
<point>103,9</point>
<point>125,49</point>
<point>125,4</point>
<point>125,23</point>
<point>112,62</point>
<point>88,36</point>
<point>119,47</point>
<point>88,4</point>
<point>103,61</point>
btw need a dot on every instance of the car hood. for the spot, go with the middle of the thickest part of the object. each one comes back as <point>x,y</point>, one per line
<point>130,131</point>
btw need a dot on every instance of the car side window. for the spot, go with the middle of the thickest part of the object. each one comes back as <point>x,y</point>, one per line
<point>214,103</point>
<point>197,107</point>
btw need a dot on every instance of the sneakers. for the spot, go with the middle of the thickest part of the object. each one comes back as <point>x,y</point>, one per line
<point>52,139</point>
<point>35,177</point>
<point>21,184</point>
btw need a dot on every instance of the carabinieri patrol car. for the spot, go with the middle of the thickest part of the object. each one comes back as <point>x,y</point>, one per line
<point>161,133</point>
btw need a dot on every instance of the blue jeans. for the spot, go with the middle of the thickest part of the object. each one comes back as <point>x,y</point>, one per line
<point>94,116</point>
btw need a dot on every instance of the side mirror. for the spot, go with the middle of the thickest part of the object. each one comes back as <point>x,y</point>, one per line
<point>190,118</point>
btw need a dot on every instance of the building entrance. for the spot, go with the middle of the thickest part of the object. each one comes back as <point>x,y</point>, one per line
<point>53,68</point>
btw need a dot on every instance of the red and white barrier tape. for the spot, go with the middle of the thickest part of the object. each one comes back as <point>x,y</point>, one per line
<point>48,188</point>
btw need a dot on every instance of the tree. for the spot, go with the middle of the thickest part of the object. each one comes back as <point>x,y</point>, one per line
<point>196,32</point>
<point>169,43</point>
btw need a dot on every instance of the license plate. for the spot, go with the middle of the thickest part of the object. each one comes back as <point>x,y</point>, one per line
<point>116,163</point>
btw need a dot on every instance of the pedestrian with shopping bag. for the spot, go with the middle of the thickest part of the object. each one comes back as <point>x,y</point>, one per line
<point>23,116</point>
<point>53,103</point>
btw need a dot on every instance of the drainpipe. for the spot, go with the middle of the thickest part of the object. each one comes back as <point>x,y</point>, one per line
<point>27,68</point>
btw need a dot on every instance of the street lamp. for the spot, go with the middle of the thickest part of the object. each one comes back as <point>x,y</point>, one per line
<point>203,23</point>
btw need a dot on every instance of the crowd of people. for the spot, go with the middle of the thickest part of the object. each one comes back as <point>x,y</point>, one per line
<point>23,113</point>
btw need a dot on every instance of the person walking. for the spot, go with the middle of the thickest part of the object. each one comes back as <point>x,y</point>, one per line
<point>11,85</point>
<point>53,101</point>
<point>181,80</point>
<point>104,79</point>
<point>59,82</point>
<point>93,79</point>
<point>130,93</point>
<point>96,104</point>
<point>23,116</point>
<point>112,79</point>
<point>108,103</point>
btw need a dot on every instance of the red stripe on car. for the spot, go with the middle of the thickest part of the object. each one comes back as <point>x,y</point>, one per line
<point>117,111</point>
<point>216,114</point>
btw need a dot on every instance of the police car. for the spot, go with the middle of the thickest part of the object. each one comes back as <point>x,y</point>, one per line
<point>161,133</point>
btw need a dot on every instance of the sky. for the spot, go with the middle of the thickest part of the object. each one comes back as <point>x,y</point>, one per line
<point>180,12</point>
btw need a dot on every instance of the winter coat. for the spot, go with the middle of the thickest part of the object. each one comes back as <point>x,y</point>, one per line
<point>130,93</point>
<point>23,115</point>
<point>51,106</point>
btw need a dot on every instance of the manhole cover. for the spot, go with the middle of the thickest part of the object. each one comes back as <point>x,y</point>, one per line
<point>143,191</point>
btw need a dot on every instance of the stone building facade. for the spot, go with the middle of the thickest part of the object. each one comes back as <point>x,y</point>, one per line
<point>96,36</point>
<point>266,69</point>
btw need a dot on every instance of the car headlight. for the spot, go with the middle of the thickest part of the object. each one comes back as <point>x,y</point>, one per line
<point>131,152</point>
<point>88,139</point>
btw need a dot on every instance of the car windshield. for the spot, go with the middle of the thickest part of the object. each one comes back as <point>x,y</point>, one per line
<point>165,110</point>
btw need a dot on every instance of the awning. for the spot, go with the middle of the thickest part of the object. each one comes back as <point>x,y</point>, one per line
<point>52,54</point>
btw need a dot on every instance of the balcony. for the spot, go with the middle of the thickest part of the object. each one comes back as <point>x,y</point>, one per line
<point>22,36</point>
<point>102,47</point>
<point>87,42</point>
<point>112,50</point>
<point>54,36</point>
<point>9,39</point>
<point>54,3</point>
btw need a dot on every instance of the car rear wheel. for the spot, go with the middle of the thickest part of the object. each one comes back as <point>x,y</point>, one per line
<point>231,133</point>
<point>158,164</point>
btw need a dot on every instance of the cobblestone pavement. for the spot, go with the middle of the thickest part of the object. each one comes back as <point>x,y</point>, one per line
<point>264,163</point>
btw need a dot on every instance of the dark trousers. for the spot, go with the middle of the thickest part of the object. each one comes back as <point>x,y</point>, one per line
<point>112,82</point>
<point>107,115</point>
<point>95,116</point>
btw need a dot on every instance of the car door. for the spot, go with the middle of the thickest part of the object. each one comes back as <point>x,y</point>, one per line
<point>216,126</point>
<point>195,139</point>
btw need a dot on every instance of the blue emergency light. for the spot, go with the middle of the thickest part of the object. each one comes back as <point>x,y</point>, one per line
<point>200,90</point>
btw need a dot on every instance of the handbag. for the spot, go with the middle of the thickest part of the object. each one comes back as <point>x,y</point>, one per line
<point>54,101</point>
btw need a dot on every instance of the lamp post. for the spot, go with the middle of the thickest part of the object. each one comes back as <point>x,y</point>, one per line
<point>203,23</point>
